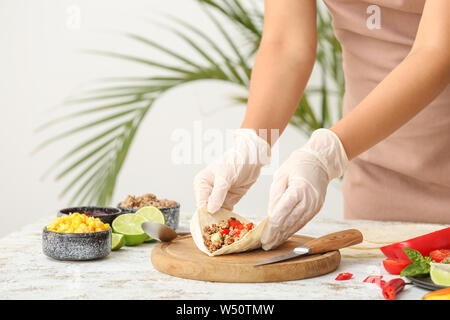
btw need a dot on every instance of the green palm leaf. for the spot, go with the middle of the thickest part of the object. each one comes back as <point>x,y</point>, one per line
<point>115,107</point>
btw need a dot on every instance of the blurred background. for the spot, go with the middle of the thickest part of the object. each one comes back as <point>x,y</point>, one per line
<point>93,93</point>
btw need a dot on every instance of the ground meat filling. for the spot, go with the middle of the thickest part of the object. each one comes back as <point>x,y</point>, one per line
<point>148,199</point>
<point>225,233</point>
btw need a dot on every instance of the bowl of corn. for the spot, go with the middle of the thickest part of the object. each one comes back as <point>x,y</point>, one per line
<point>76,237</point>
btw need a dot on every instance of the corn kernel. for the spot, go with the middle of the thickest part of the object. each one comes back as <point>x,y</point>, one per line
<point>77,223</point>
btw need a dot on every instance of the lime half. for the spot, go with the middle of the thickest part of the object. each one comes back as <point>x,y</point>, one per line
<point>118,241</point>
<point>151,214</point>
<point>130,226</point>
<point>440,273</point>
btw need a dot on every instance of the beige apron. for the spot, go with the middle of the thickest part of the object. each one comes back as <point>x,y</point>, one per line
<point>407,176</point>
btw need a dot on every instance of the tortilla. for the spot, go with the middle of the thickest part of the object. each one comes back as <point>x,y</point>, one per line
<point>377,236</point>
<point>360,253</point>
<point>365,245</point>
<point>201,219</point>
<point>392,233</point>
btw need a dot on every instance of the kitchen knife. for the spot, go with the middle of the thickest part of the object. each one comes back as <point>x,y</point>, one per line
<point>329,242</point>
<point>160,231</point>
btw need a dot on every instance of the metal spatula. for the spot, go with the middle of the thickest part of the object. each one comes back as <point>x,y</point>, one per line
<point>330,242</point>
<point>160,231</point>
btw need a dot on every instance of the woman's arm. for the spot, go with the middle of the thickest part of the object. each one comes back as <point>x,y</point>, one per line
<point>408,89</point>
<point>283,64</point>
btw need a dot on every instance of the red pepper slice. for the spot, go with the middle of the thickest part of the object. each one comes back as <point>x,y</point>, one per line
<point>393,287</point>
<point>424,244</point>
<point>374,279</point>
<point>395,266</point>
<point>344,276</point>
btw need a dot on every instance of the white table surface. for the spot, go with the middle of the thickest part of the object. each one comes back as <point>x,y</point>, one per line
<point>26,273</point>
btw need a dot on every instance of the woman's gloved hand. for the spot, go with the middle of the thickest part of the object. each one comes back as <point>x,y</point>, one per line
<point>300,184</point>
<point>224,182</point>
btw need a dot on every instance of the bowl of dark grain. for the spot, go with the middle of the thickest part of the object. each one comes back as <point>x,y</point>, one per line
<point>105,214</point>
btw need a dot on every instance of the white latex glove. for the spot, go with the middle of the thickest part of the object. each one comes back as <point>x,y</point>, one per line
<point>224,182</point>
<point>299,186</point>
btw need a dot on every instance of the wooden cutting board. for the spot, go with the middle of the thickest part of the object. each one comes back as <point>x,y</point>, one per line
<point>181,258</point>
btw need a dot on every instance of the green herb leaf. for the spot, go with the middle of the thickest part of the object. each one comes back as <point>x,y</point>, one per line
<point>416,269</point>
<point>420,266</point>
<point>413,255</point>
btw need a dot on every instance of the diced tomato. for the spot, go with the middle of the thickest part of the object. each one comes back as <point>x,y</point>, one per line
<point>395,266</point>
<point>225,231</point>
<point>249,226</point>
<point>344,276</point>
<point>233,223</point>
<point>439,255</point>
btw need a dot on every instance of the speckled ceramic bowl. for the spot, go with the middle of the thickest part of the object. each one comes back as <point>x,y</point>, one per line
<point>105,214</point>
<point>172,214</point>
<point>76,246</point>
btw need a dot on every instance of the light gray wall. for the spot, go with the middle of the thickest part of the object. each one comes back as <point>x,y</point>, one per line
<point>41,64</point>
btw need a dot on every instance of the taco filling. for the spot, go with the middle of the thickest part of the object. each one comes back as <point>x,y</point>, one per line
<point>225,233</point>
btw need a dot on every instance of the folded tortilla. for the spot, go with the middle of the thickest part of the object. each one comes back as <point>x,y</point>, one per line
<point>201,219</point>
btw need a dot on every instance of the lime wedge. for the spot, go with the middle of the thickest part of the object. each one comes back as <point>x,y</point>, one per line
<point>151,214</point>
<point>440,273</point>
<point>129,225</point>
<point>118,241</point>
